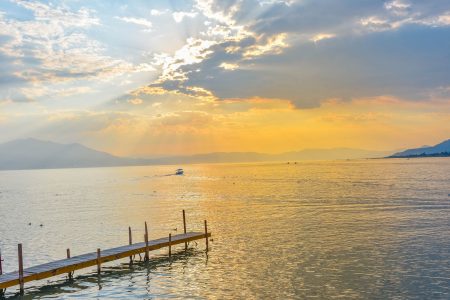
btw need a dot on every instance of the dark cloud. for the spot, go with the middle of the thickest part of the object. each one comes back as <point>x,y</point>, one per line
<point>406,63</point>
<point>10,83</point>
<point>314,16</point>
<point>402,49</point>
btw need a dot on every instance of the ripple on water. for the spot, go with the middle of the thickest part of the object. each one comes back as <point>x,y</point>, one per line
<point>354,229</point>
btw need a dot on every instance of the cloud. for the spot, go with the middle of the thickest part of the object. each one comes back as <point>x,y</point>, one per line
<point>135,101</point>
<point>322,36</point>
<point>156,12</point>
<point>178,16</point>
<point>191,126</point>
<point>398,7</point>
<point>235,76</point>
<point>301,52</point>
<point>51,49</point>
<point>45,13</point>
<point>229,66</point>
<point>270,45</point>
<point>148,25</point>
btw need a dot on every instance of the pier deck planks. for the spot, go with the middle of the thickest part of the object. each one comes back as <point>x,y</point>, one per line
<point>74,263</point>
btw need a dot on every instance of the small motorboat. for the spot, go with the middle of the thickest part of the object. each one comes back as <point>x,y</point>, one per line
<point>179,172</point>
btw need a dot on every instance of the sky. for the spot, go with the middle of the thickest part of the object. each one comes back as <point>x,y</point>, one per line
<point>155,78</point>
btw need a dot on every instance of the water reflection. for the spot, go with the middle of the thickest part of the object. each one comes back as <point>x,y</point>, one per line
<point>126,275</point>
<point>354,229</point>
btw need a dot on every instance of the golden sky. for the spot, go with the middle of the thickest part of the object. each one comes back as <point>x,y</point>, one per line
<point>159,78</point>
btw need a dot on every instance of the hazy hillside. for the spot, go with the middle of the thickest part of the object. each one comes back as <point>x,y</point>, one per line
<point>335,153</point>
<point>307,154</point>
<point>37,154</point>
<point>438,149</point>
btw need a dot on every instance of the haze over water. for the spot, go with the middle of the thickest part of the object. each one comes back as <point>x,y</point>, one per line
<point>374,229</point>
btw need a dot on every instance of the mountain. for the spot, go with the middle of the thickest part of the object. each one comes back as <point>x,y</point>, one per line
<point>328,154</point>
<point>215,157</point>
<point>37,154</point>
<point>307,154</point>
<point>442,149</point>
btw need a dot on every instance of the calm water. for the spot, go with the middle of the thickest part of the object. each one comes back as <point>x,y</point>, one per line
<point>351,229</point>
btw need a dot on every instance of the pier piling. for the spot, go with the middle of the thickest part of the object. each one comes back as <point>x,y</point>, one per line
<point>146,242</point>
<point>170,245</point>
<point>21,281</point>
<point>99,268</point>
<point>130,242</point>
<point>1,268</point>
<point>68,256</point>
<point>206,236</point>
<point>184,228</point>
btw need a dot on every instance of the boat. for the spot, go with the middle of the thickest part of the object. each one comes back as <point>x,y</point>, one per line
<point>179,172</point>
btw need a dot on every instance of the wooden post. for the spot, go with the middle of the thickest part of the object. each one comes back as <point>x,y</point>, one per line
<point>2,291</point>
<point>68,256</point>
<point>146,256</point>
<point>206,235</point>
<point>130,241</point>
<point>1,268</point>
<point>146,242</point>
<point>184,227</point>
<point>130,237</point>
<point>19,249</point>
<point>170,245</point>
<point>146,229</point>
<point>98,261</point>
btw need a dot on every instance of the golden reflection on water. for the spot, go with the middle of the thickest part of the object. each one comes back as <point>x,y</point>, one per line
<point>352,229</point>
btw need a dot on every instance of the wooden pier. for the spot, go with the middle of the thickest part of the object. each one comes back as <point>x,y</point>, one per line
<point>97,258</point>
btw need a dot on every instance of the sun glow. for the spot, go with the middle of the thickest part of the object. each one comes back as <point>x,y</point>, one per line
<point>157,79</point>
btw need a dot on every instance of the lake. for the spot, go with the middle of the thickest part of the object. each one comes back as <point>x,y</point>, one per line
<point>357,229</point>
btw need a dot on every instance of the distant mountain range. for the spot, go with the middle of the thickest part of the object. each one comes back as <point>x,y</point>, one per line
<point>37,154</point>
<point>307,154</point>
<point>439,150</point>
